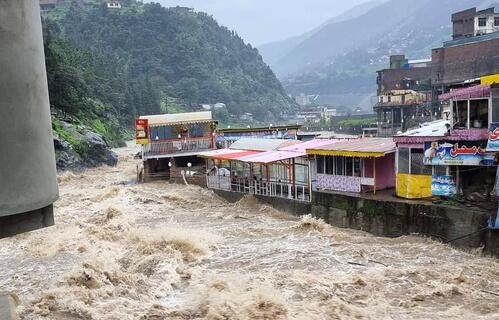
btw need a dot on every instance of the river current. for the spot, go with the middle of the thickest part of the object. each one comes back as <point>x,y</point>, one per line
<point>121,250</point>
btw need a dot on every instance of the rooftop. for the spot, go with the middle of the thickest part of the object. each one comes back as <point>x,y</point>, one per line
<point>256,144</point>
<point>257,129</point>
<point>479,91</point>
<point>470,40</point>
<point>365,147</point>
<point>429,129</point>
<point>178,118</point>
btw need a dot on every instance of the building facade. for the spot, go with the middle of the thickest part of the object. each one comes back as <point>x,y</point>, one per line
<point>173,140</point>
<point>472,23</point>
<point>404,96</point>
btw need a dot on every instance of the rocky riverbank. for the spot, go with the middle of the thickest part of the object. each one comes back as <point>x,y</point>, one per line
<point>77,147</point>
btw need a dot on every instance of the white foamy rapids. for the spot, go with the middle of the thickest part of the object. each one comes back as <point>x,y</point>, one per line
<point>120,250</point>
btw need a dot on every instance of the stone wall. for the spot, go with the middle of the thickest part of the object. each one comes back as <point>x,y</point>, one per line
<point>393,218</point>
<point>402,217</point>
<point>292,207</point>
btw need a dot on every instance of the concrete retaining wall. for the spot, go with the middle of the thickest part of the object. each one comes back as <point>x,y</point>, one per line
<point>391,218</point>
<point>292,207</point>
<point>397,218</point>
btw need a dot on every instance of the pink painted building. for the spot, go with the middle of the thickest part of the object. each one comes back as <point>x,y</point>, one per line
<point>360,165</point>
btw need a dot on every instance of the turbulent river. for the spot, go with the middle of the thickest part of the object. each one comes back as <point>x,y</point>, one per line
<point>122,250</point>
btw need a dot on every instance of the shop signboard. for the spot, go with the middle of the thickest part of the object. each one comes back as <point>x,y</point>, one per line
<point>463,153</point>
<point>443,185</point>
<point>141,131</point>
<point>493,143</point>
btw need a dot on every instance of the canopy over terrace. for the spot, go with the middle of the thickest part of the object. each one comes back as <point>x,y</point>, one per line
<point>282,171</point>
<point>350,166</point>
<point>362,148</point>
<point>470,109</point>
<point>286,153</point>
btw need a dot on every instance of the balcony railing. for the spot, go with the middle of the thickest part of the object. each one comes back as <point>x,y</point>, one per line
<point>297,191</point>
<point>178,146</point>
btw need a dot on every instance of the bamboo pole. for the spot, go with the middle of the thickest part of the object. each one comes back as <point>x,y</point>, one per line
<point>374,167</point>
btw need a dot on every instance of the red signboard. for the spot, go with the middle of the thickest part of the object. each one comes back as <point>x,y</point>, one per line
<point>142,131</point>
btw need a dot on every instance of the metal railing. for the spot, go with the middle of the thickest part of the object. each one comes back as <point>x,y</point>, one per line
<point>177,146</point>
<point>287,190</point>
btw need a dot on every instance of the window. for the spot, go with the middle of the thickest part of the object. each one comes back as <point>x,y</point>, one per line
<point>496,21</point>
<point>482,22</point>
<point>349,166</point>
<point>329,165</point>
<point>403,161</point>
<point>320,165</point>
<point>357,167</point>
<point>417,166</point>
<point>339,165</point>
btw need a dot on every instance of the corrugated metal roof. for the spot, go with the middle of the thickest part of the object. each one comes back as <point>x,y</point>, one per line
<point>479,91</point>
<point>303,146</point>
<point>228,154</point>
<point>270,156</point>
<point>212,153</point>
<point>174,118</point>
<point>430,129</point>
<point>261,144</point>
<point>288,152</point>
<point>365,147</point>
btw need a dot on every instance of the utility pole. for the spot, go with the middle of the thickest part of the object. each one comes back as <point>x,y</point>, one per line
<point>28,180</point>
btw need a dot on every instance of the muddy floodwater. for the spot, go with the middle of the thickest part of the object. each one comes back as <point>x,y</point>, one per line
<point>122,250</point>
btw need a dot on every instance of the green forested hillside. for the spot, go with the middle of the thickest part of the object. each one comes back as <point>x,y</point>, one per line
<point>110,65</point>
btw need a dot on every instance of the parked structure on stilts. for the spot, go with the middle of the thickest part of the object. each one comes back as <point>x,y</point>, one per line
<point>172,141</point>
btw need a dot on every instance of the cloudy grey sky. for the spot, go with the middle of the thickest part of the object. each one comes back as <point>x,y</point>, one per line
<point>262,21</point>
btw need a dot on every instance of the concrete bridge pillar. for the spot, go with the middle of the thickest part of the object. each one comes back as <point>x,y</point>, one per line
<point>28,181</point>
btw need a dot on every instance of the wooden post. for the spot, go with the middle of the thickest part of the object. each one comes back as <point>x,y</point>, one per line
<point>489,108</point>
<point>468,120</point>
<point>310,178</point>
<point>374,170</point>
<point>294,179</point>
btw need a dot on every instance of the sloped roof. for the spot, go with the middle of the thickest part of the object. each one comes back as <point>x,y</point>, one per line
<point>365,147</point>
<point>436,128</point>
<point>479,91</point>
<point>179,118</point>
<point>228,154</point>
<point>303,146</point>
<point>258,144</point>
<point>270,156</point>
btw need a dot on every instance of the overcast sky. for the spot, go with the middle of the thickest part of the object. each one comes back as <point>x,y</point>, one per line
<point>262,21</point>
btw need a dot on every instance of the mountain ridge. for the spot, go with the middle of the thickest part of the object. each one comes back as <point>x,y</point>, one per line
<point>334,63</point>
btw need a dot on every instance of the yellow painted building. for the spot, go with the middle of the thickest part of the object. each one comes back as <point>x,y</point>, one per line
<point>490,79</point>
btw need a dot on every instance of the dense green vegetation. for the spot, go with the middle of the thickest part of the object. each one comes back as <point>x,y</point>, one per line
<point>107,66</point>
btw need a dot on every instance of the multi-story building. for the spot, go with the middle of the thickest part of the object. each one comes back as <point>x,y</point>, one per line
<point>170,141</point>
<point>404,95</point>
<point>472,23</point>
<point>408,90</point>
<point>465,59</point>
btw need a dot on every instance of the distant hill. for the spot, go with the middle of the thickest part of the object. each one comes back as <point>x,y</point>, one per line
<point>340,59</point>
<point>145,58</point>
<point>274,51</point>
